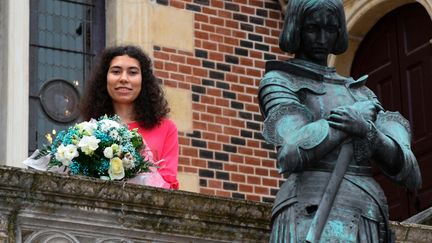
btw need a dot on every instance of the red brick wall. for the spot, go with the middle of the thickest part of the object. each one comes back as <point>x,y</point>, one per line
<point>233,40</point>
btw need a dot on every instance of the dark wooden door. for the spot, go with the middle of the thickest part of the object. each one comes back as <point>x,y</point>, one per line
<point>397,56</point>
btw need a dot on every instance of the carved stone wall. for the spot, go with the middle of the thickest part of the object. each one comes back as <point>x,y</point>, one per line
<point>46,207</point>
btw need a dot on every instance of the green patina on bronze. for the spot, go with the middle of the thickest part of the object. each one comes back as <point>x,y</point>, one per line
<point>328,130</point>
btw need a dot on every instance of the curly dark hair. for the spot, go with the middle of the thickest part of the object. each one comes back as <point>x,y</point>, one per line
<point>150,106</point>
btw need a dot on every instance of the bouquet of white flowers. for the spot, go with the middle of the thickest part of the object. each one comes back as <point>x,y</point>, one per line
<point>102,148</point>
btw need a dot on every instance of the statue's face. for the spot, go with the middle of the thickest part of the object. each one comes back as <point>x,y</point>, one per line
<point>319,33</point>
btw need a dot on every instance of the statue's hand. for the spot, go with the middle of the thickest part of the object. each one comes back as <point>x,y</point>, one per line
<point>350,120</point>
<point>368,109</point>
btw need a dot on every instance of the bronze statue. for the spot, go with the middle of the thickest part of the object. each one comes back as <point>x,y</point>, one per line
<point>328,129</point>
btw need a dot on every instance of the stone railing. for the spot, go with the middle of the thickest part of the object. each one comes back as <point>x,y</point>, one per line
<point>47,207</point>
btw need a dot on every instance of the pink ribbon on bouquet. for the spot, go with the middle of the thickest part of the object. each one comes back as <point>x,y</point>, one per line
<point>152,178</point>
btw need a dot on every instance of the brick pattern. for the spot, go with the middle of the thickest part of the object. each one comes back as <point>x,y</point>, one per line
<point>233,40</point>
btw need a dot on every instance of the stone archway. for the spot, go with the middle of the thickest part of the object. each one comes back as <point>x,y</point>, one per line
<point>361,17</point>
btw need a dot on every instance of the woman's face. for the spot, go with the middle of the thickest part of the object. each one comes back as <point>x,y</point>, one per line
<point>319,33</point>
<point>124,79</point>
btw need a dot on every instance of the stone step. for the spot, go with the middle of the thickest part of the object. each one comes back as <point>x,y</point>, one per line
<point>412,233</point>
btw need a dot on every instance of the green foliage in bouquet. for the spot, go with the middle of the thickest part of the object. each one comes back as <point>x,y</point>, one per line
<point>103,148</point>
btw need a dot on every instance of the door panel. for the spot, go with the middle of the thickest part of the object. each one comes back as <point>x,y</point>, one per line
<point>400,73</point>
<point>415,56</point>
<point>383,69</point>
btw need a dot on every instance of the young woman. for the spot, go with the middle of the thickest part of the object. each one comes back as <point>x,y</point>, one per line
<point>123,83</point>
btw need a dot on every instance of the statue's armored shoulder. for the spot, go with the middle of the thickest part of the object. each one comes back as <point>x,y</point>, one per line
<point>360,90</point>
<point>292,78</point>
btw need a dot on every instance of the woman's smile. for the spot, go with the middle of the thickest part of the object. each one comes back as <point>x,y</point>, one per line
<point>123,89</point>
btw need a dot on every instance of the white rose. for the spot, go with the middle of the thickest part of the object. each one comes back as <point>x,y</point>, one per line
<point>116,170</point>
<point>86,128</point>
<point>71,152</point>
<point>88,144</point>
<point>65,154</point>
<point>106,124</point>
<point>59,155</point>
<point>108,152</point>
<point>128,161</point>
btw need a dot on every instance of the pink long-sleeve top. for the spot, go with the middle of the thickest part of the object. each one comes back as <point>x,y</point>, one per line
<point>163,142</point>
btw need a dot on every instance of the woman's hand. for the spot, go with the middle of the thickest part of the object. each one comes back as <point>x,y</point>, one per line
<point>350,120</point>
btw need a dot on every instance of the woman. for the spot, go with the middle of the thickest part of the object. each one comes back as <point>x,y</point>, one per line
<point>318,119</point>
<point>123,83</point>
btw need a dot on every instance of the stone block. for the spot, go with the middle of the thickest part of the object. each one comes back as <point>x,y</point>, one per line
<point>172,27</point>
<point>408,232</point>
<point>127,22</point>
<point>147,24</point>
<point>188,181</point>
<point>180,103</point>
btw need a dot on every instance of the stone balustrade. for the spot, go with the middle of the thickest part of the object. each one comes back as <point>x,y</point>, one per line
<point>47,207</point>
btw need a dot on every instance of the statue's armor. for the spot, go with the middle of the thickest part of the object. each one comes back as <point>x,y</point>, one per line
<point>296,98</point>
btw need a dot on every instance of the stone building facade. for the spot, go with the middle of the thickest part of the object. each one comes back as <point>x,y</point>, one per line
<point>210,56</point>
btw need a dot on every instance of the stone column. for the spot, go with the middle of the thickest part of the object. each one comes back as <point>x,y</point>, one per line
<point>3,76</point>
<point>14,87</point>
